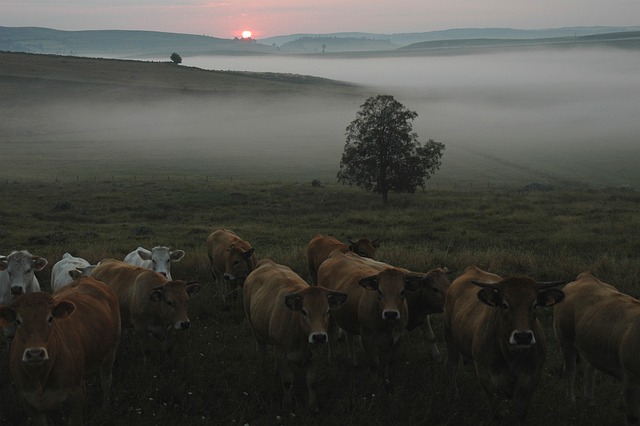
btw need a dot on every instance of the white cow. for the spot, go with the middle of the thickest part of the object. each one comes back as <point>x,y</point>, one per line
<point>17,276</point>
<point>69,269</point>
<point>157,259</point>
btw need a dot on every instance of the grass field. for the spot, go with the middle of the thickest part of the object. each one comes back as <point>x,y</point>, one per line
<point>213,376</point>
<point>101,157</point>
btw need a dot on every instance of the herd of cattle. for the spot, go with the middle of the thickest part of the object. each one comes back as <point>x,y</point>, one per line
<point>56,339</point>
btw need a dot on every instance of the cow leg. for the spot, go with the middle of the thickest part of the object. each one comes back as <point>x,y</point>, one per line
<point>351,348</point>
<point>312,378</point>
<point>569,356</point>
<point>106,377</point>
<point>453,359</point>
<point>287,381</point>
<point>76,405</point>
<point>37,418</point>
<point>430,337</point>
<point>589,379</point>
<point>632,398</point>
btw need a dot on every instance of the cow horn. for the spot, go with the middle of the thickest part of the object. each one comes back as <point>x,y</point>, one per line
<point>158,288</point>
<point>484,285</point>
<point>549,284</point>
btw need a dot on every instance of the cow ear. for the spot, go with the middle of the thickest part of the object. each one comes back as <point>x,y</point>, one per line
<point>550,297</point>
<point>3,263</point>
<point>176,255</point>
<point>75,273</point>
<point>413,283</point>
<point>7,314</point>
<point>144,254</point>
<point>156,295</point>
<point>247,254</point>
<point>192,288</point>
<point>336,298</point>
<point>63,309</point>
<point>370,283</point>
<point>39,263</point>
<point>491,297</point>
<point>293,301</point>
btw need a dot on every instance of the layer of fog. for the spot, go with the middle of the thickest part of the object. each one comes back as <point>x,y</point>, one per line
<point>530,116</point>
<point>551,113</point>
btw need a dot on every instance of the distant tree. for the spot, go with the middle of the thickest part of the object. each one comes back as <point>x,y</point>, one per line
<point>175,58</point>
<point>382,153</point>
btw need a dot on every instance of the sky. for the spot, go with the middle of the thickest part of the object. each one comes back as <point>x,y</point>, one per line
<point>267,18</point>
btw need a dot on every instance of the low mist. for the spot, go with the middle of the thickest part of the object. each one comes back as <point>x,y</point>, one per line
<point>539,115</point>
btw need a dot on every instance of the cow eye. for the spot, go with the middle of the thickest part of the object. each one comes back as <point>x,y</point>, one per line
<point>171,303</point>
<point>304,312</point>
<point>503,305</point>
<point>18,322</point>
<point>50,319</point>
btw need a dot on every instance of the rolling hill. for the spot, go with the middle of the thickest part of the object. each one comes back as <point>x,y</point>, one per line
<point>150,44</point>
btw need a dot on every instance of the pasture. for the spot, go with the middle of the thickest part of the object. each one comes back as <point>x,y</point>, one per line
<point>213,376</point>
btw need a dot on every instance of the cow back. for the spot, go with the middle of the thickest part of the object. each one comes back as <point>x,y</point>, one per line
<point>602,323</point>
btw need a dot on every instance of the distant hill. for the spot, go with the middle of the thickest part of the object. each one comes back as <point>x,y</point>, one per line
<point>121,43</point>
<point>404,39</point>
<point>151,44</point>
<point>629,39</point>
<point>322,44</point>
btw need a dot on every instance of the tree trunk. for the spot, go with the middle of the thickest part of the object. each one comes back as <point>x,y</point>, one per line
<point>384,197</point>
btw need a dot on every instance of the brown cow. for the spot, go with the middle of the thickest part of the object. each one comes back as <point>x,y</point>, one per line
<point>59,339</point>
<point>321,246</point>
<point>375,309</point>
<point>231,259</point>
<point>427,299</point>
<point>148,301</point>
<point>600,324</point>
<point>492,321</point>
<point>284,311</point>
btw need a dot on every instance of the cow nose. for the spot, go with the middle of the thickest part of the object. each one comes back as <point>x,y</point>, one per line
<point>523,338</point>
<point>390,315</point>
<point>35,355</point>
<point>17,291</point>
<point>227,277</point>
<point>183,325</point>
<point>318,338</point>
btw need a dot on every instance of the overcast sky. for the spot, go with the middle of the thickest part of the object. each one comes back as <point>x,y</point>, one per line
<point>266,18</point>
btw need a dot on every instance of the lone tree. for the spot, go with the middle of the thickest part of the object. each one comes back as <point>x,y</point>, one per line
<point>383,154</point>
<point>175,58</point>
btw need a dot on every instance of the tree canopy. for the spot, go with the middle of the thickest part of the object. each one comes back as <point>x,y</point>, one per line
<point>382,152</point>
<point>175,58</point>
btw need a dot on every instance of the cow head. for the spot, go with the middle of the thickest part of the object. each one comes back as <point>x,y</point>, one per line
<point>161,258</point>
<point>364,247</point>
<point>517,299</point>
<point>81,272</point>
<point>431,292</point>
<point>20,266</point>
<point>391,285</point>
<point>34,315</point>
<point>172,298</point>
<point>240,262</point>
<point>314,305</point>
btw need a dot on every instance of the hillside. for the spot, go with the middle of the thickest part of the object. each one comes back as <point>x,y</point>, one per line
<point>150,44</point>
<point>121,43</point>
<point>21,72</point>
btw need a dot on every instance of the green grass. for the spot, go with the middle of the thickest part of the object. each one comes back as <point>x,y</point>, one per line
<point>213,376</point>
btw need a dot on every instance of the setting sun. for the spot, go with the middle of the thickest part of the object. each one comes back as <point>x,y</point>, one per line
<point>246,34</point>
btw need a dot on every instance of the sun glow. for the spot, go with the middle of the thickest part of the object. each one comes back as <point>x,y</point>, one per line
<point>246,34</point>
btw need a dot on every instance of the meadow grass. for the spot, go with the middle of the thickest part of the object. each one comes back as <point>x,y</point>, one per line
<point>214,377</point>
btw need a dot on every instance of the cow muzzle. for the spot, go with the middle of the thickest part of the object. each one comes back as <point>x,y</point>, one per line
<point>35,356</point>
<point>318,338</point>
<point>522,339</point>
<point>390,315</point>
<point>182,325</point>
<point>17,291</point>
